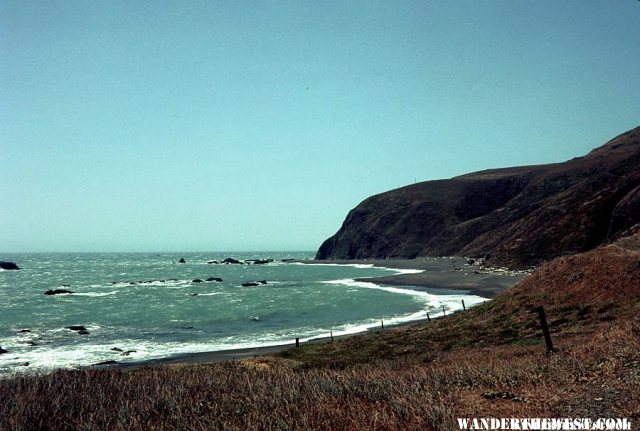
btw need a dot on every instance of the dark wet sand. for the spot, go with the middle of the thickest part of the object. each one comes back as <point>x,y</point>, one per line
<point>445,274</point>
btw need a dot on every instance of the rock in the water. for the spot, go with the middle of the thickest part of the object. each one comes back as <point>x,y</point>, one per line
<point>76,328</point>
<point>127,353</point>
<point>58,292</point>
<point>197,280</point>
<point>116,349</point>
<point>212,262</point>
<point>182,260</point>
<point>254,283</point>
<point>231,261</point>
<point>260,261</point>
<point>9,266</point>
<point>83,332</point>
<point>24,331</point>
<point>214,279</point>
<point>2,351</point>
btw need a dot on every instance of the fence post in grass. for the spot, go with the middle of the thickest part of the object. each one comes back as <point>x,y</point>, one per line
<point>545,328</point>
<point>382,322</point>
<point>443,312</point>
<point>463,306</point>
<point>428,317</point>
<point>297,342</point>
<point>332,335</point>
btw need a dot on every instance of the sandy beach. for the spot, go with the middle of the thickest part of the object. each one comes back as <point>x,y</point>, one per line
<point>438,274</point>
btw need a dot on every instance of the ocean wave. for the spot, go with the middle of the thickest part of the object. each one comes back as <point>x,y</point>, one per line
<point>353,265</point>
<point>451,302</point>
<point>141,321</point>
<point>169,284</point>
<point>397,271</point>
<point>350,282</point>
<point>94,294</point>
<point>404,271</point>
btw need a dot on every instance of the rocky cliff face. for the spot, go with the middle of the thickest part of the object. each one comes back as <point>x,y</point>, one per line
<point>514,216</point>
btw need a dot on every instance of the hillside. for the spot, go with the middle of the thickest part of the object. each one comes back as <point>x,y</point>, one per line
<point>516,216</point>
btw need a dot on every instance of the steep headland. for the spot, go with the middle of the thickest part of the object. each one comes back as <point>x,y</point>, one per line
<point>517,216</point>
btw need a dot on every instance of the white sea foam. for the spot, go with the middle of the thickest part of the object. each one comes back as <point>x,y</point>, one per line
<point>404,271</point>
<point>450,302</point>
<point>95,294</point>
<point>353,265</point>
<point>364,266</point>
<point>42,359</point>
<point>368,285</point>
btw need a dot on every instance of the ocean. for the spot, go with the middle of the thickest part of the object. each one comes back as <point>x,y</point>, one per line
<point>142,306</point>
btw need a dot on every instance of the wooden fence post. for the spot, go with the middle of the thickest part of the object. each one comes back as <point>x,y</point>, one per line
<point>545,328</point>
<point>332,335</point>
<point>382,321</point>
<point>443,312</point>
<point>428,317</point>
<point>297,342</point>
<point>463,306</point>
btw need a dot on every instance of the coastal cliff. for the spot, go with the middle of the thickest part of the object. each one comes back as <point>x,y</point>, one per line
<point>517,217</point>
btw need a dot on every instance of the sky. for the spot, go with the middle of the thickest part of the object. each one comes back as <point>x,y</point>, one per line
<point>257,125</point>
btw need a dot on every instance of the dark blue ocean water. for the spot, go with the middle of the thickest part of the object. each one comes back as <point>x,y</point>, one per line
<point>146,302</point>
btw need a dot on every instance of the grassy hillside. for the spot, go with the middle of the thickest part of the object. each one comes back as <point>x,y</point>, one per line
<point>488,361</point>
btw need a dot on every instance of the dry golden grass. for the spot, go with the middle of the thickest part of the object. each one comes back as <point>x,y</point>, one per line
<point>487,362</point>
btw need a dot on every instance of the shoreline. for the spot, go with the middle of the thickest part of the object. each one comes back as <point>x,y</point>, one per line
<point>216,355</point>
<point>438,274</point>
<point>445,275</point>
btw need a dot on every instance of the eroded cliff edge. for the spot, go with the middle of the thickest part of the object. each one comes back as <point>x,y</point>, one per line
<point>516,216</point>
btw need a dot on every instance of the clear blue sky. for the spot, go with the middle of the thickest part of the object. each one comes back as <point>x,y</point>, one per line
<point>241,125</point>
